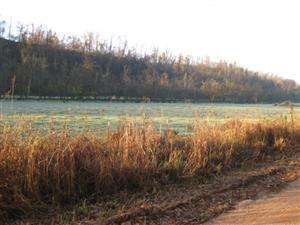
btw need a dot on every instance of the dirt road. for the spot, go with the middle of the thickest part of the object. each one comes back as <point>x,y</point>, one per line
<point>282,208</point>
<point>265,194</point>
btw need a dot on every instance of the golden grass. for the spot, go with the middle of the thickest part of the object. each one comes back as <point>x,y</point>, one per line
<point>56,167</point>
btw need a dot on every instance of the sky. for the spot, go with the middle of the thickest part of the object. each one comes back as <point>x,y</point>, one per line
<point>261,35</point>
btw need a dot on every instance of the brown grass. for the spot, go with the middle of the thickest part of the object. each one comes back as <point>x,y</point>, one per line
<point>39,168</point>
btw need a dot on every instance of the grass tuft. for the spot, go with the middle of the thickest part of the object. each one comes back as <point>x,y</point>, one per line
<point>57,167</point>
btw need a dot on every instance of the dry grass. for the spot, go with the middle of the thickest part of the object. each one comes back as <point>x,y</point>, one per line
<point>56,168</point>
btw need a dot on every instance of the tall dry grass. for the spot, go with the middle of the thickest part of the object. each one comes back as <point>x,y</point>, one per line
<point>56,167</point>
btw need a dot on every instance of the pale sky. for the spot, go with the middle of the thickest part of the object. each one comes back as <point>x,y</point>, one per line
<point>262,35</point>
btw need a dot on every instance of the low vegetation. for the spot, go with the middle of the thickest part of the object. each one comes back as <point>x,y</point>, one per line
<point>40,168</point>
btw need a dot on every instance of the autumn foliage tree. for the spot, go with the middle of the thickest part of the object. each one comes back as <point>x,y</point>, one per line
<point>46,64</point>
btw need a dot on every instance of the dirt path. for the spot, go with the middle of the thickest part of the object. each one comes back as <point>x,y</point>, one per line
<point>281,208</point>
<point>194,204</point>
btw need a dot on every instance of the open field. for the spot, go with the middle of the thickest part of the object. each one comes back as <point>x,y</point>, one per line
<point>42,168</point>
<point>98,116</point>
<point>148,112</point>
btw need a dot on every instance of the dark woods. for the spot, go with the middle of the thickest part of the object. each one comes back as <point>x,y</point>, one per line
<point>38,62</point>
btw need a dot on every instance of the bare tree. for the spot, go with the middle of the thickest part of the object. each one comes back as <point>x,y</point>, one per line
<point>2,28</point>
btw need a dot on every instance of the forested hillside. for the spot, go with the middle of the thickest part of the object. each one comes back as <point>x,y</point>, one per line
<point>36,62</point>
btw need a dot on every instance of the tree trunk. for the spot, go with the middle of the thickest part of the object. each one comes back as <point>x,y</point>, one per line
<point>28,87</point>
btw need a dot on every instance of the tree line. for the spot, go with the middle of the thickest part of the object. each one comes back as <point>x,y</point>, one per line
<point>35,61</point>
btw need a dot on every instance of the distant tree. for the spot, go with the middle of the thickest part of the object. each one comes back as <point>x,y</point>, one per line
<point>46,64</point>
<point>212,88</point>
<point>2,28</point>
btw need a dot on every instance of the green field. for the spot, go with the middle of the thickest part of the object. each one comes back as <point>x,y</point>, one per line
<point>100,115</point>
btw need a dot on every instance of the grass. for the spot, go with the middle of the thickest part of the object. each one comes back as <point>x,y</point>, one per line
<point>97,115</point>
<point>56,168</point>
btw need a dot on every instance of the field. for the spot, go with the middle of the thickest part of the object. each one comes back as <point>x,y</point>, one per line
<point>98,116</point>
<point>55,154</point>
